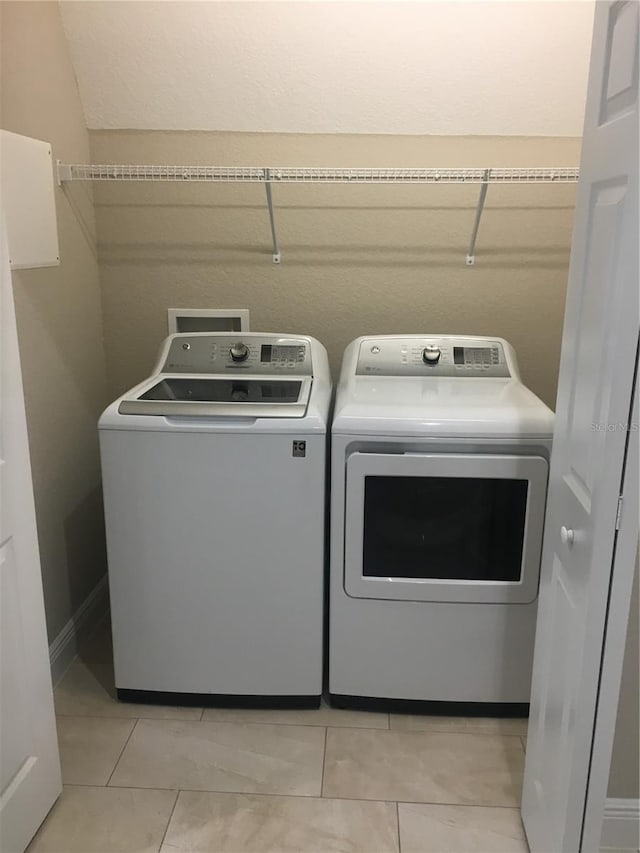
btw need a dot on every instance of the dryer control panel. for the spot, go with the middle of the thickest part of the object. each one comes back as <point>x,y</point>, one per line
<point>432,356</point>
<point>222,353</point>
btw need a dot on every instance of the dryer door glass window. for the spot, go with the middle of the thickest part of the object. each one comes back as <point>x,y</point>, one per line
<point>444,528</point>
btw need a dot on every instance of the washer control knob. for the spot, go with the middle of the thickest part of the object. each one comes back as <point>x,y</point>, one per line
<point>239,352</point>
<point>431,354</point>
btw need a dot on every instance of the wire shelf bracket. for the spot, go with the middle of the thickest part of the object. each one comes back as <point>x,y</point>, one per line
<point>66,172</point>
<point>471,259</point>
<point>276,248</point>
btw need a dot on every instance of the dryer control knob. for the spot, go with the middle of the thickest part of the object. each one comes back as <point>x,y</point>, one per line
<point>431,354</point>
<point>239,352</point>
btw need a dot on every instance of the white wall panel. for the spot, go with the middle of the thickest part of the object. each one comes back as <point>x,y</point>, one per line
<point>28,199</point>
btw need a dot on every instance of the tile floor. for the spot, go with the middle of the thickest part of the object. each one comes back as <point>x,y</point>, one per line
<point>146,779</point>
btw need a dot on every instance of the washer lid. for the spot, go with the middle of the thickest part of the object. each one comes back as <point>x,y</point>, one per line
<point>203,396</point>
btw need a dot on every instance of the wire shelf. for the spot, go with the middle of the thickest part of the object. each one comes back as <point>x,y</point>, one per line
<point>299,175</point>
<point>268,176</point>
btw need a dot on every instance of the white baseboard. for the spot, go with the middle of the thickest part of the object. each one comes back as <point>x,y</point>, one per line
<point>621,825</point>
<point>65,646</point>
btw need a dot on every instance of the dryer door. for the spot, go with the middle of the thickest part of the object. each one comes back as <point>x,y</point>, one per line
<point>444,527</point>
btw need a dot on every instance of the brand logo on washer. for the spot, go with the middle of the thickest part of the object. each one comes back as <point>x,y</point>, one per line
<point>299,448</point>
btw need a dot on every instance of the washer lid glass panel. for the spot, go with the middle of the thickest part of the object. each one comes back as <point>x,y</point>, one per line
<point>203,396</point>
<point>224,390</point>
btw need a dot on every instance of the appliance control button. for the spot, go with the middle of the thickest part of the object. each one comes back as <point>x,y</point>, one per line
<point>239,352</point>
<point>431,354</point>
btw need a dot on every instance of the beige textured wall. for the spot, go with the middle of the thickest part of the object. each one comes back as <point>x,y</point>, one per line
<point>59,317</point>
<point>624,781</point>
<point>355,260</point>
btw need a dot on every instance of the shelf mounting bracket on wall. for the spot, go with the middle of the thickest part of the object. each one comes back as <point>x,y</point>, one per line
<point>476,225</point>
<point>272,219</point>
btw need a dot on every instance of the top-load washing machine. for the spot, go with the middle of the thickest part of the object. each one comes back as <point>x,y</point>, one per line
<point>214,474</point>
<point>438,485</point>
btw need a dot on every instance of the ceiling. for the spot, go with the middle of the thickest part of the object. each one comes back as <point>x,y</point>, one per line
<point>448,67</point>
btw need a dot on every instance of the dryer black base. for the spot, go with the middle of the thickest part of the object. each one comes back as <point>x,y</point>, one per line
<point>215,700</point>
<point>428,707</point>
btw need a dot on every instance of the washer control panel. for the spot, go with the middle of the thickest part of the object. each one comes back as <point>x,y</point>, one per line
<point>432,357</point>
<point>219,353</point>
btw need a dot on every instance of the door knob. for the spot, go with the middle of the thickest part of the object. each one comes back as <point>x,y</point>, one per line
<point>567,536</point>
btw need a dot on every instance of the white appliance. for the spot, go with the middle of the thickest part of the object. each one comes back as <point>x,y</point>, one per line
<point>214,475</point>
<point>438,484</point>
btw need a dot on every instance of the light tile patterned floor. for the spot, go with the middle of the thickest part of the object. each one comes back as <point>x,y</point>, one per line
<point>148,779</point>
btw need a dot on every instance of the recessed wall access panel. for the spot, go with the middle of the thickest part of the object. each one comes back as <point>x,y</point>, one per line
<point>28,199</point>
<point>208,320</point>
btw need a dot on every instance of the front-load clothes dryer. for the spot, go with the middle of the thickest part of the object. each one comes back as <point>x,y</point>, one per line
<point>438,485</point>
<point>214,474</point>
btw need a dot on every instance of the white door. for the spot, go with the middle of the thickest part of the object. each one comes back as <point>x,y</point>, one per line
<point>595,388</point>
<point>29,764</point>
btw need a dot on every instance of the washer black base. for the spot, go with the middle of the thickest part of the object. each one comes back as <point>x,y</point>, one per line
<point>423,706</point>
<point>220,700</point>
